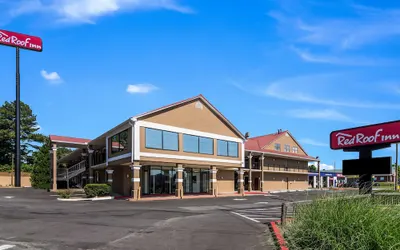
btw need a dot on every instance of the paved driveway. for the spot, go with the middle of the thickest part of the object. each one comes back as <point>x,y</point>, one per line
<point>32,219</point>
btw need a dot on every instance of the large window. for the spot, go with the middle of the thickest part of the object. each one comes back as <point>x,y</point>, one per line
<point>287,148</point>
<point>277,147</point>
<point>160,139</point>
<point>119,142</point>
<point>227,148</point>
<point>196,144</point>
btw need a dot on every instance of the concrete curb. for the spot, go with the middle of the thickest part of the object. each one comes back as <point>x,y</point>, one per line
<point>278,236</point>
<point>88,199</point>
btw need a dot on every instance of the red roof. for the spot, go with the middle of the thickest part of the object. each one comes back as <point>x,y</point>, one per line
<point>258,143</point>
<point>57,138</point>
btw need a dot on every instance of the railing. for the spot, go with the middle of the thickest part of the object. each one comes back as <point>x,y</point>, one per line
<point>68,173</point>
<point>285,169</point>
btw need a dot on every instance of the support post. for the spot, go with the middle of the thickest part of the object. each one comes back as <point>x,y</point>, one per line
<point>213,181</point>
<point>90,151</point>
<point>17,125</point>
<point>365,180</point>
<point>283,213</point>
<point>250,177</point>
<point>320,184</point>
<point>241,182</point>
<point>314,181</point>
<point>110,176</point>
<point>396,169</point>
<point>136,192</point>
<point>179,181</point>
<point>262,172</point>
<point>54,162</point>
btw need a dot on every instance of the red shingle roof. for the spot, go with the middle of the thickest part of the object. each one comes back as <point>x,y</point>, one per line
<point>259,142</point>
<point>57,138</point>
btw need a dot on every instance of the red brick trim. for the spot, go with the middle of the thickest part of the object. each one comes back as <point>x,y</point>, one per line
<point>278,236</point>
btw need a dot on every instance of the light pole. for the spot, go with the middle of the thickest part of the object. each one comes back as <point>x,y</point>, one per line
<point>396,168</point>
<point>319,173</point>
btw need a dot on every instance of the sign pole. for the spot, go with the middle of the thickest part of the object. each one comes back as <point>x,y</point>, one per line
<point>396,168</point>
<point>17,125</point>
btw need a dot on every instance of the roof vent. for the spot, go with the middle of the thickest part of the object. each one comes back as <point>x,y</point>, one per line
<point>199,105</point>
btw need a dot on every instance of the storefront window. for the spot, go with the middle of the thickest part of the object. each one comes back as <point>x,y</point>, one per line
<point>195,180</point>
<point>158,180</point>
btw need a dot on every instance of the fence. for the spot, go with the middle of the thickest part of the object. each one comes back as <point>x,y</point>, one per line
<point>288,209</point>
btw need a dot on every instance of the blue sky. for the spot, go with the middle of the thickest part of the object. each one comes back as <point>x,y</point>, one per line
<point>307,66</point>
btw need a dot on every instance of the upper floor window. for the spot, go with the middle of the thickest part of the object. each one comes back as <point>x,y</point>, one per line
<point>295,150</point>
<point>196,144</point>
<point>160,139</point>
<point>287,148</point>
<point>277,147</point>
<point>119,142</point>
<point>227,148</point>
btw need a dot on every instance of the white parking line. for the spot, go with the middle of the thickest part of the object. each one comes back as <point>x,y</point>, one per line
<point>4,247</point>
<point>244,216</point>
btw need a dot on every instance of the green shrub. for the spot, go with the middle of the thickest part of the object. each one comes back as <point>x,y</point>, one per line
<point>65,194</point>
<point>342,223</point>
<point>94,190</point>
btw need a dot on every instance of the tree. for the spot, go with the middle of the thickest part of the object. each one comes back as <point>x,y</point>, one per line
<point>312,168</point>
<point>29,135</point>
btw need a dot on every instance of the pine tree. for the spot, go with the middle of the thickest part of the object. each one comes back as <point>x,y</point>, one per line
<point>41,174</point>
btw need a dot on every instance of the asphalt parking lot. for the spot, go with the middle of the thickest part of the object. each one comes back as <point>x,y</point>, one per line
<point>32,219</point>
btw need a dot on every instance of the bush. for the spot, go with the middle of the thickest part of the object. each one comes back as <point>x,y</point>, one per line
<point>65,194</point>
<point>94,190</point>
<point>343,223</point>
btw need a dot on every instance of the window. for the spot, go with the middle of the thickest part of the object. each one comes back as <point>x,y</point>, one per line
<point>160,139</point>
<point>277,147</point>
<point>196,144</point>
<point>287,148</point>
<point>382,178</point>
<point>227,148</point>
<point>119,142</point>
<point>295,150</point>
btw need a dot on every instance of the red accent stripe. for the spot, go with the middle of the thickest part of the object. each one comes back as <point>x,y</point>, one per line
<point>278,236</point>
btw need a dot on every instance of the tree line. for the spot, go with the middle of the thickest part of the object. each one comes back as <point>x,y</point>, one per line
<point>35,146</point>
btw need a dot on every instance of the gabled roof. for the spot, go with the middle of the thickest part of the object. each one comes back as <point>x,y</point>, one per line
<point>192,99</point>
<point>260,143</point>
<point>66,139</point>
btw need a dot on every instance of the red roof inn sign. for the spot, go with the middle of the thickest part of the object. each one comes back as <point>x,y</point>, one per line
<point>377,134</point>
<point>21,41</point>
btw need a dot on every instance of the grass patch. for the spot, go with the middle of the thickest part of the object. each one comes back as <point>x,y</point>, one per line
<point>342,223</point>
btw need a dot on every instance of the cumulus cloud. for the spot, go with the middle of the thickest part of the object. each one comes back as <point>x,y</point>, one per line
<point>313,142</point>
<point>142,88</point>
<point>52,77</point>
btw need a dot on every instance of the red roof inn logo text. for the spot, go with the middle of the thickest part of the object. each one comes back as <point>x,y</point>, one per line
<point>384,133</point>
<point>21,41</point>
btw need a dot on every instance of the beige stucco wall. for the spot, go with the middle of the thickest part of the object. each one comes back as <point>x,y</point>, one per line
<point>284,181</point>
<point>225,181</point>
<point>5,179</point>
<point>286,140</point>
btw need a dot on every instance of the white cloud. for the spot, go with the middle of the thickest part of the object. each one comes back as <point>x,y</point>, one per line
<point>293,89</point>
<point>339,60</point>
<point>313,142</point>
<point>324,166</point>
<point>323,114</point>
<point>52,77</point>
<point>87,11</point>
<point>140,88</point>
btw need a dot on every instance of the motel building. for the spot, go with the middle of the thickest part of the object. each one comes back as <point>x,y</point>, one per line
<point>187,147</point>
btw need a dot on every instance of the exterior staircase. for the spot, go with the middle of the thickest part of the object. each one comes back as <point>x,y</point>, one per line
<point>65,174</point>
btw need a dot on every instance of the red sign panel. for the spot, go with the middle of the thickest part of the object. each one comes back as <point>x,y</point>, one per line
<point>383,133</point>
<point>21,41</point>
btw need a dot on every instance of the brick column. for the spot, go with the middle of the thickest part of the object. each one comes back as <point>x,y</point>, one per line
<point>90,151</point>
<point>262,172</point>
<point>110,176</point>
<point>241,181</point>
<point>250,177</point>
<point>213,181</point>
<point>54,162</point>
<point>136,189</point>
<point>179,181</point>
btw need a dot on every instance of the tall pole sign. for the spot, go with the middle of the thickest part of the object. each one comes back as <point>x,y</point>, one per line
<point>19,41</point>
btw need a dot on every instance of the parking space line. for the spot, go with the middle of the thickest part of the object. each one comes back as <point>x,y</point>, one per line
<point>4,247</point>
<point>244,216</point>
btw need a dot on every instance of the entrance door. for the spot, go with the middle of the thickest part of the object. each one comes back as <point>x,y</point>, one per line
<point>246,183</point>
<point>257,183</point>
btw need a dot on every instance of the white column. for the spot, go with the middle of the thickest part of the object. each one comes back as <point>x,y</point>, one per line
<point>327,181</point>
<point>321,182</point>
<point>314,185</point>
